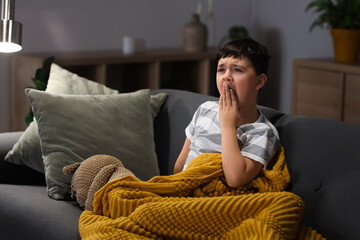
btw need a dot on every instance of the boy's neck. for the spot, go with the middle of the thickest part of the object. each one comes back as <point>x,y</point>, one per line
<point>248,116</point>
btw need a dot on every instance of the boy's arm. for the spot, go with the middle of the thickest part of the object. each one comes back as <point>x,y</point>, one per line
<point>179,164</point>
<point>238,170</point>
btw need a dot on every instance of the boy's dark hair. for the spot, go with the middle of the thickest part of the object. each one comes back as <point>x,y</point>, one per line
<point>254,51</point>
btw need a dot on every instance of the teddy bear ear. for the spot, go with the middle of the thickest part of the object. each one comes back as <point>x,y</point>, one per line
<point>70,169</point>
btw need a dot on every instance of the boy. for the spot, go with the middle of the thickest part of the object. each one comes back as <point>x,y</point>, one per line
<point>234,126</point>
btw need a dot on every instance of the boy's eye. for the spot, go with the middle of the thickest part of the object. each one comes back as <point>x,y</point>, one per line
<point>238,70</point>
<point>220,69</point>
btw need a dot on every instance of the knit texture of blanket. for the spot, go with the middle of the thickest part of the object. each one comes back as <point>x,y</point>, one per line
<point>198,204</point>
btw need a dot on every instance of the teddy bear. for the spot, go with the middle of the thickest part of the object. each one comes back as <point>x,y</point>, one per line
<point>91,174</point>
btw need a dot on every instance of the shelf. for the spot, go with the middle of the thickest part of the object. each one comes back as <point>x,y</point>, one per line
<point>154,69</point>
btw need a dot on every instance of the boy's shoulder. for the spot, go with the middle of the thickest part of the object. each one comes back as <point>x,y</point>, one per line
<point>208,107</point>
<point>263,124</point>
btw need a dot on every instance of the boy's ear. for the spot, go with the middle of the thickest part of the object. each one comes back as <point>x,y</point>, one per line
<point>261,80</point>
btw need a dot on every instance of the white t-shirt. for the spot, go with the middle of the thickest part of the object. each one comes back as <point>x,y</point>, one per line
<point>258,141</point>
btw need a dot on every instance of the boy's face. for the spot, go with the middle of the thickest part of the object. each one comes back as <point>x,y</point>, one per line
<point>239,75</point>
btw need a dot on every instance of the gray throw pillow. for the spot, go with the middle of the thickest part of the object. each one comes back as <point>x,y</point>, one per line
<point>27,150</point>
<point>75,127</point>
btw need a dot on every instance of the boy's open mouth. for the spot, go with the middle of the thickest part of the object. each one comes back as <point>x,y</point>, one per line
<point>227,85</point>
<point>230,88</point>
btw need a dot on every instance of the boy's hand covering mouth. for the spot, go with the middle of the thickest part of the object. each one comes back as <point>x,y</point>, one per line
<point>226,87</point>
<point>228,108</point>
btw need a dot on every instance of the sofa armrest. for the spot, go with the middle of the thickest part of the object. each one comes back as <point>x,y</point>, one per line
<point>323,161</point>
<point>12,173</point>
<point>7,141</point>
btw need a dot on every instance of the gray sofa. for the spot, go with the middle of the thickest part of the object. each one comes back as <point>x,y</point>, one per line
<point>323,157</point>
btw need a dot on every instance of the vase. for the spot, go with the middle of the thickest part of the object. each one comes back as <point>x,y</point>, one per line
<point>195,35</point>
<point>346,44</point>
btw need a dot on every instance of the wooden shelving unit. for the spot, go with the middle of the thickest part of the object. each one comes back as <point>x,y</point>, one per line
<point>158,68</point>
<point>326,89</point>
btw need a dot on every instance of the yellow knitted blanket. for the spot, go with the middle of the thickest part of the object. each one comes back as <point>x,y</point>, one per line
<point>197,204</point>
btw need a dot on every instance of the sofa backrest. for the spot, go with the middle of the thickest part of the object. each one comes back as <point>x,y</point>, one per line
<point>170,124</point>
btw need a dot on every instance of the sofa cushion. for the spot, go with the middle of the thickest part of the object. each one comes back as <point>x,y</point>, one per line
<point>27,150</point>
<point>75,127</point>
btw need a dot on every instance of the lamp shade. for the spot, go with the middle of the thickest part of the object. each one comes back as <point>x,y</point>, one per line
<point>10,36</point>
<point>10,30</point>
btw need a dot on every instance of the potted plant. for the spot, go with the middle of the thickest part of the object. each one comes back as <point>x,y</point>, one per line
<point>40,80</point>
<point>235,32</point>
<point>343,17</point>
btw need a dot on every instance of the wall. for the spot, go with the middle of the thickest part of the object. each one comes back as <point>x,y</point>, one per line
<point>51,26</point>
<point>88,24</point>
<point>283,26</point>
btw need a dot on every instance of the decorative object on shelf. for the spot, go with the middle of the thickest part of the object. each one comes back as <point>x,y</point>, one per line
<point>235,32</point>
<point>195,35</point>
<point>343,17</point>
<point>10,30</point>
<point>131,45</point>
<point>40,80</point>
<point>210,22</point>
<point>128,45</point>
<point>199,9</point>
